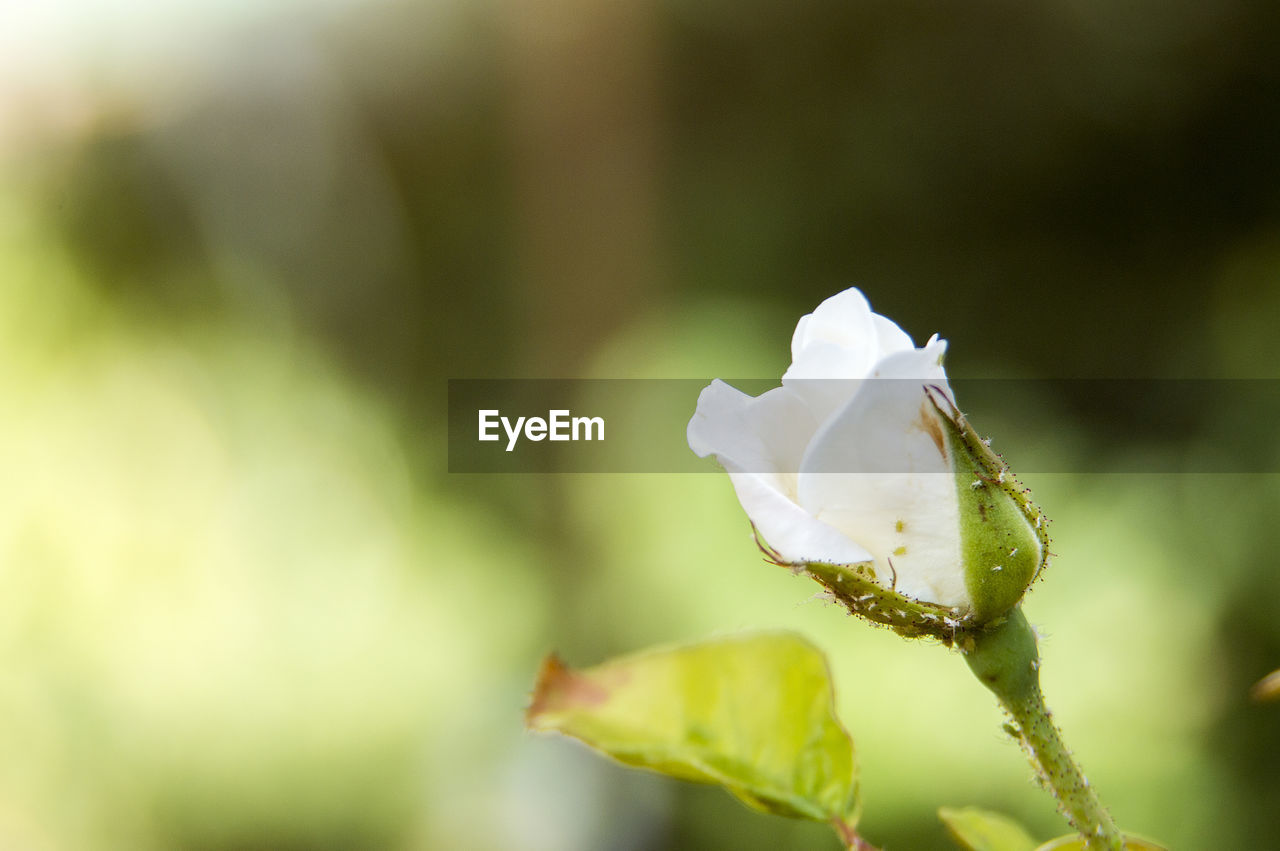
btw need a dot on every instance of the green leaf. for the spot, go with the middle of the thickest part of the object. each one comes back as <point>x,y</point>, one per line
<point>980,830</point>
<point>753,713</point>
<point>1074,842</point>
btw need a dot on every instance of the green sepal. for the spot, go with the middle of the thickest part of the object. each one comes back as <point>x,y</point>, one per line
<point>858,589</point>
<point>1002,533</point>
<point>855,588</point>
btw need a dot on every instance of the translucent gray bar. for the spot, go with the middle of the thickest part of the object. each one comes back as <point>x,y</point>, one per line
<point>1038,425</point>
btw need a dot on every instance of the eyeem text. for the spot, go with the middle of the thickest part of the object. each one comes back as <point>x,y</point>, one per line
<point>558,425</point>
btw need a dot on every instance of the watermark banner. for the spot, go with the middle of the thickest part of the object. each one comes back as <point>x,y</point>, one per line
<point>1038,425</point>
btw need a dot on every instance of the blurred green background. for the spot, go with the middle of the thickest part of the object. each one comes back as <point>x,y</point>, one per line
<point>244,605</point>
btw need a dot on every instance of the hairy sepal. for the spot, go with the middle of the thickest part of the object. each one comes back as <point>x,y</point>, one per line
<point>1003,536</point>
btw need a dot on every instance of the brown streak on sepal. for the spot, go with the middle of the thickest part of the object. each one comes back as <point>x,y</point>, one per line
<point>930,427</point>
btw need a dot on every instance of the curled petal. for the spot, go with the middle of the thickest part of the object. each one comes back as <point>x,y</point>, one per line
<point>764,434</point>
<point>760,442</point>
<point>844,320</point>
<point>793,533</point>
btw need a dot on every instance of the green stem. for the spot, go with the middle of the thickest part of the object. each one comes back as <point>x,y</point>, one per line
<point>1005,660</point>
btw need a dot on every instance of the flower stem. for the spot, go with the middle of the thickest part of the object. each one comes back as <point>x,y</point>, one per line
<point>850,838</point>
<point>1005,660</point>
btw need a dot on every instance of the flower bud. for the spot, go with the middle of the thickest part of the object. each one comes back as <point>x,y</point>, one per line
<point>861,472</point>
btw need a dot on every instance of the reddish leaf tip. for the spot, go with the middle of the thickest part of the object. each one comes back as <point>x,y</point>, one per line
<point>559,687</point>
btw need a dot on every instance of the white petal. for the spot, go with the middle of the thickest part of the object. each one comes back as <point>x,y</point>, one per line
<point>797,535</point>
<point>876,472</point>
<point>836,346</point>
<point>890,337</point>
<point>761,442</point>
<point>844,320</point>
<point>832,349</point>
<point>765,434</point>
<point>826,377</point>
<point>909,525</point>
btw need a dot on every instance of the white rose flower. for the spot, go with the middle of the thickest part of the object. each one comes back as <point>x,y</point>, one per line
<point>860,471</point>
